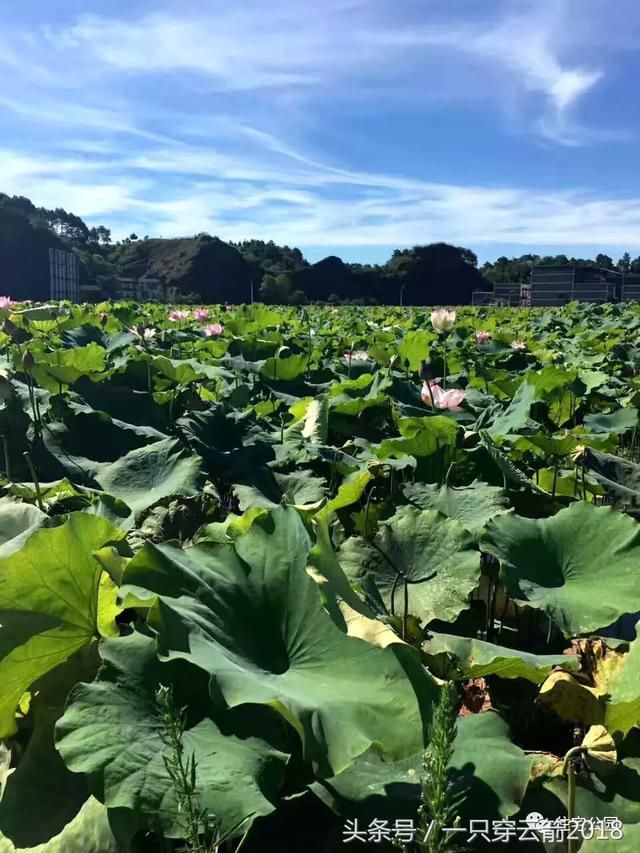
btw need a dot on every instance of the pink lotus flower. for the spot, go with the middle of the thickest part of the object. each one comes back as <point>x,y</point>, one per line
<point>442,399</point>
<point>176,315</point>
<point>483,337</point>
<point>6,302</point>
<point>443,320</point>
<point>200,314</point>
<point>357,355</point>
<point>213,330</point>
<point>518,346</point>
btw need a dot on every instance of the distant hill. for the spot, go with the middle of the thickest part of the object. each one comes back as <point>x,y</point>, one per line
<point>205,265</point>
<point>433,274</point>
<point>24,257</point>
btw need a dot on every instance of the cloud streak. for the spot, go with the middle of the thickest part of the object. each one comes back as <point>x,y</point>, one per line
<point>191,117</point>
<point>150,194</point>
<point>331,50</point>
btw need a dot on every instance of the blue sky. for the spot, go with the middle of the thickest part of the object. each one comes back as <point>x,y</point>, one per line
<point>340,126</point>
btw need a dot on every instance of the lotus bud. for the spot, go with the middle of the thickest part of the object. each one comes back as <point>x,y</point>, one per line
<point>599,750</point>
<point>9,328</point>
<point>443,320</point>
<point>28,361</point>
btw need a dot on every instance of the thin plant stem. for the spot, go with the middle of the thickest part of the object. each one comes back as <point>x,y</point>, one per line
<point>7,460</point>
<point>36,482</point>
<point>569,771</point>
<point>444,362</point>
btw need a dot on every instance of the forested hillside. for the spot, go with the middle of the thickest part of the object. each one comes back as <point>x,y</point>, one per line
<point>231,272</point>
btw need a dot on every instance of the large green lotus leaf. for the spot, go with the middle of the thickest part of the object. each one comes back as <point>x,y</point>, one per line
<point>415,347</point>
<point>547,445</point>
<point>617,796</point>
<point>551,379</point>
<point>496,771</point>
<point>420,553</point>
<point>475,658</point>
<point>83,431</point>
<point>17,522</point>
<point>256,317</point>
<point>312,420</point>
<point>298,488</point>
<point>284,369</point>
<point>420,437</point>
<point>48,601</point>
<point>567,482</point>
<point>64,367</point>
<point>87,334</point>
<point>619,422</point>
<point>354,396</point>
<point>493,770</point>
<point>123,403</point>
<point>183,371</point>
<point>41,784</point>
<point>324,568</point>
<point>620,478</point>
<point>112,728</point>
<point>558,388</point>
<point>316,422</point>
<point>146,475</point>
<point>88,832</point>
<point>516,417</point>
<point>629,843</point>
<point>473,506</point>
<point>494,464</point>
<point>350,490</point>
<point>580,566</point>
<point>622,710</point>
<point>248,614</point>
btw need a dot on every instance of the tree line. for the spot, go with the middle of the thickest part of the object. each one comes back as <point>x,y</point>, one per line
<point>430,274</point>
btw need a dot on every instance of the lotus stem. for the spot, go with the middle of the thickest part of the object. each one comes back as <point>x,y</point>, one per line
<point>5,450</point>
<point>444,361</point>
<point>569,771</point>
<point>36,481</point>
<point>492,615</point>
<point>32,400</point>
<point>405,609</point>
<point>433,405</point>
<point>38,413</point>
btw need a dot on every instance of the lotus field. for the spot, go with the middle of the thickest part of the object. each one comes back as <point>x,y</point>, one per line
<point>300,579</point>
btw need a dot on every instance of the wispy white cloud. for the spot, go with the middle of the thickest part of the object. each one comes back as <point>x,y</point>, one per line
<point>332,50</point>
<point>301,208</point>
<point>521,54</point>
<point>196,116</point>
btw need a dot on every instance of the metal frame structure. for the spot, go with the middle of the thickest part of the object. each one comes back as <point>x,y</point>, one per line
<point>630,291</point>
<point>559,284</point>
<point>64,275</point>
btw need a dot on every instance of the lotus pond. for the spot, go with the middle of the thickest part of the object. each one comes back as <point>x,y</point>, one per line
<point>272,577</point>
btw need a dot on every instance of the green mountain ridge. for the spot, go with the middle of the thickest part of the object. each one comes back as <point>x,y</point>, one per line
<point>211,270</point>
